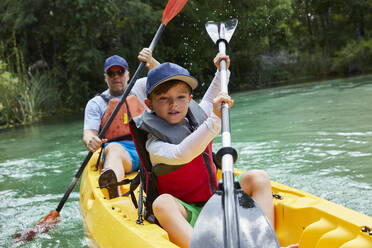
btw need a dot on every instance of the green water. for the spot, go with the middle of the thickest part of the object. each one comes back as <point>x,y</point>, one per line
<point>315,137</point>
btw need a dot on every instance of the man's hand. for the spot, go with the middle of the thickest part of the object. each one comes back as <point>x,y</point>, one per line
<point>145,55</point>
<point>92,141</point>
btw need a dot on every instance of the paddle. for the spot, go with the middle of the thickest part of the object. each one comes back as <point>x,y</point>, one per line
<point>171,10</point>
<point>230,218</point>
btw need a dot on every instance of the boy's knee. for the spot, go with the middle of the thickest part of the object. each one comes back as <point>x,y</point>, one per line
<point>254,179</point>
<point>162,203</point>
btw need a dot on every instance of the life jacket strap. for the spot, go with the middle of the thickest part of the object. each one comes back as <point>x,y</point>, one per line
<point>99,158</point>
<point>121,138</point>
<point>122,182</point>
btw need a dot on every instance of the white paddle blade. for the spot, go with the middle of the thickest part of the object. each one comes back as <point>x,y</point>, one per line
<point>255,230</point>
<point>221,30</point>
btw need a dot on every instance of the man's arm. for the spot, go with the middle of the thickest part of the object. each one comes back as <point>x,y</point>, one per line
<point>139,88</point>
<point>145,55</point>
<point>92,120</point>
<point>91,140</point>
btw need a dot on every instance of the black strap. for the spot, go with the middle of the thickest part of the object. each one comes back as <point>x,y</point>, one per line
<point>209,168</point>
<point>99,158</point>
<point>104,97</point>
<point>140,204</point>
<point>123,182</point>
<point>125,137</point>
<point>133,186</point>
<point>217,163</point>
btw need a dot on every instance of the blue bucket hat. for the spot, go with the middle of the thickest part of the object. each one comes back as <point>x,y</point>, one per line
<point>166,72</point>
<point>115,60</point>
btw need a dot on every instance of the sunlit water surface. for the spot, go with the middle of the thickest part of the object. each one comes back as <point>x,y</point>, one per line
<point>316,137</point>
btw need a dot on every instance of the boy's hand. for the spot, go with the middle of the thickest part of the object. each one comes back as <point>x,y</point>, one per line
<point>218,59</point>
<point>219,100</point>
<point>145,55</point>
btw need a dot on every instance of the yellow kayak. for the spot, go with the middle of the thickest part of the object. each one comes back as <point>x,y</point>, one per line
<point>301,218</point>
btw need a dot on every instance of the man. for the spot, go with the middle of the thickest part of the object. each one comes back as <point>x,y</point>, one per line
<point>120,157</point>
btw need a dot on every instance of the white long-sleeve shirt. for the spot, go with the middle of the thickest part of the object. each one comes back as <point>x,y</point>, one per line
<point>194,144</point>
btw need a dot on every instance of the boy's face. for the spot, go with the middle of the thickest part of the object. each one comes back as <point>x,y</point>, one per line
<point>172,105</point>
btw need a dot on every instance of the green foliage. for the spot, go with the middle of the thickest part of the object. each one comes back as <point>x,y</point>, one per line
<point>25,101</point>
<point>275,41</point>
<point>355,57</point>
<point>8,95</point>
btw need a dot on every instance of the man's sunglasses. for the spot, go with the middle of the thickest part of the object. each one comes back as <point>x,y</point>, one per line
<point>113,73</point>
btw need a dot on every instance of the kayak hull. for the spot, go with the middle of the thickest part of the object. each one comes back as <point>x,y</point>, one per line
<point>300,218</point>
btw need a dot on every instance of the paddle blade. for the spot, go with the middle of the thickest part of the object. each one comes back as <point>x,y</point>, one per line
<point>43,226</point>
<point>221,30</point>
<point>254,229</point>
<point>172,9</point>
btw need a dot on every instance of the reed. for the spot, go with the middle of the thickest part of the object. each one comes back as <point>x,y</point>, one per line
<point>25,95</point>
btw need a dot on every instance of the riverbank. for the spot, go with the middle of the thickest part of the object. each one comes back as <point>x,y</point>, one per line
<point>298,81</point>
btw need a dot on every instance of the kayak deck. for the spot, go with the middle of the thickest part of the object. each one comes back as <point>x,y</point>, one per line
<point>314,222</point>
<point>300,218</point>
<point>112,223</point>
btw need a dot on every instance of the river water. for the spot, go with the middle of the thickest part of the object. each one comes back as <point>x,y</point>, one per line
<point>316,137</point>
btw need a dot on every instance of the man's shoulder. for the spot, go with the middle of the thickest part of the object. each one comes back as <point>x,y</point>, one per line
<point>139,89</point>
<point>106,96</point>
<point>97,103</point>
<point>100,98</point>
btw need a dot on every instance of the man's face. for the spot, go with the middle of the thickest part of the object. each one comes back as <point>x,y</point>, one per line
<point>116,78</point>
<point>172,105</point>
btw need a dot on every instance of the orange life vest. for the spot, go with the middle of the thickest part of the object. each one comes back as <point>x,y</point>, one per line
<point>120,125</point>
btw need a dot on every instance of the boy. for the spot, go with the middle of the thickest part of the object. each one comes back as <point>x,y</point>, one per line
<point>179,146</point>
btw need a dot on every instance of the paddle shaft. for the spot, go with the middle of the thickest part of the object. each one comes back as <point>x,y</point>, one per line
<point>108,123</point>
<point>230,218</point>
<point>230,210</point>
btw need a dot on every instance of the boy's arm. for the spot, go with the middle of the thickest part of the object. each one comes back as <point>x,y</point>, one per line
<point>192,146</point>
<point>214,88</point>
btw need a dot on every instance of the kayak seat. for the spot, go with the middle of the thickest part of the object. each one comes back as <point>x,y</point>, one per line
<point>145,174</point>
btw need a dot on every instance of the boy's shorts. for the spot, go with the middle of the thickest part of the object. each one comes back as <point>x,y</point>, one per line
<point>193,210</point>
<point>131,149</point>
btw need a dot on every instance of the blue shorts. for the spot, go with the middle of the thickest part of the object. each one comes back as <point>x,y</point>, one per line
<point>131,149</point>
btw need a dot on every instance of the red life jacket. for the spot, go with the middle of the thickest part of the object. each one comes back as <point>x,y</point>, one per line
<point>120,125</point>
<point>195,181</point>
